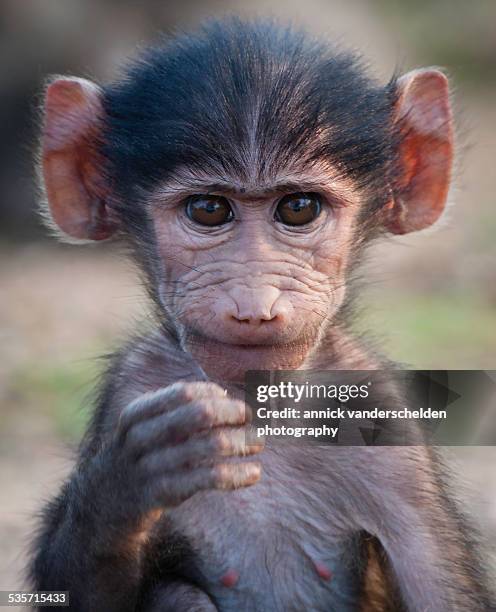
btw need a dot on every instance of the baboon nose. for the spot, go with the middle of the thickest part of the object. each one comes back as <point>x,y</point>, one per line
<point>253,318</point>
<point>256,307</point>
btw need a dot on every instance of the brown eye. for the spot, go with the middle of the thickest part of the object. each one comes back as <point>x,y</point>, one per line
<point>209,210</point>
<point>298,208</point>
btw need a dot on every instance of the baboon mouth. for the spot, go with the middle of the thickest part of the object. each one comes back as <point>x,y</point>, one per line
<point>243,356</point>
<point>268,344</point>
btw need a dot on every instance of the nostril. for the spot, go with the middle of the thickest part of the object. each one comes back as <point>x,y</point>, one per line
<point>268,319</point>
<point>240,320</point>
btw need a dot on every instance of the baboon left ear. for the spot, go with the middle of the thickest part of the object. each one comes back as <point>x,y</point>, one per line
<point>424,116</point>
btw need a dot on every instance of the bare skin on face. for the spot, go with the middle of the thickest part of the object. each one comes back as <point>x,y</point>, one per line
<point>254,293</point>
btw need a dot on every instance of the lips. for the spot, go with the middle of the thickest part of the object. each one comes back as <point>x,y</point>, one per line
<point>234,359</point>
<point>271,343</point>
<point>269,336</point>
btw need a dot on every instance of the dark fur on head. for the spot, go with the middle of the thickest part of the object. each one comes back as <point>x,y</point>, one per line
<point>247,100</point>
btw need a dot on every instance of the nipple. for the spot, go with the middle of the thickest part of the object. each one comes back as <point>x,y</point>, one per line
<point>322,570</point>
<point>230,578</point>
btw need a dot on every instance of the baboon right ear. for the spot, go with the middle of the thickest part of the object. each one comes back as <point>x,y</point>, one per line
<point>76,188</point>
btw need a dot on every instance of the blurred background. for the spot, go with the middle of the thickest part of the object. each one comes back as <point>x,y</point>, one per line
<point>432,296</point>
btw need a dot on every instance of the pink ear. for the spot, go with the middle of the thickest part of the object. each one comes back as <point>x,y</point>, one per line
<point>76,190</point>
<point>425,152</point>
